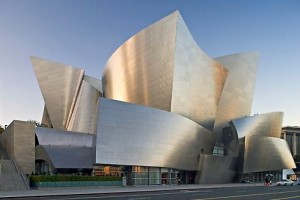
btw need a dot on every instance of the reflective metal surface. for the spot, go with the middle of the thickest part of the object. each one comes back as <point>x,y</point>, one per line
<point>49,136</point>
<point>268,125</point>
<point>237,95</point>
<point>167,105</point>
<point>266,153</point>
<point>216,169</point>
<point>94,82</point>
<point>59,86</point>
<point>141,70</point>
<point>70,96</point>
<point>261,146</point>
<point>130,134</point>
<point>163,67</point>
<point>46,118</point>
<point>198,80</point>
<point>84,115</point>
<point>66,157</point>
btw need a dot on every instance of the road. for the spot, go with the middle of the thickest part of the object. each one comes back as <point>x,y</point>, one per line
<point>234,193</point>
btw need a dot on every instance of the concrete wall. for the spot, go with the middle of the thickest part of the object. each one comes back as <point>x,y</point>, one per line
<point>6,140</point>
<point>18,140</point>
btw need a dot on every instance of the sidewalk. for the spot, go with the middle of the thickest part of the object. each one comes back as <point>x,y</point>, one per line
<point>105,190</point>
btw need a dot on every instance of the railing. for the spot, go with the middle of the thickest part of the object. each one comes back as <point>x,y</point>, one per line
<point>26,181</point>
<point>16,166</point>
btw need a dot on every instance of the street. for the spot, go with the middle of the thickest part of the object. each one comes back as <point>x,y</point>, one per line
<point>251,193</point>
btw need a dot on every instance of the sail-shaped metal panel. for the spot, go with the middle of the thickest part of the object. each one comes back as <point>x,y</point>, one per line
<point>46,118</point>
<point>84,115</point>
<point>237,95</point>
<point>140,71</point>
<point>163,67</point>
<point>96,83</point>
<point>59,85</point>
<point>198,80</point>
<point>266,153</point>
<point>267,124</point>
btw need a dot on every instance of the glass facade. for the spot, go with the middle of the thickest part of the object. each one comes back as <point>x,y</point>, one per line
<point>154,176</point>
<point>141,175</point>
<point>298,145</point>
<point>289,139</point>
<point>42,167</point>
<point>259,177</point>
<point>292,137</point>
<point>101,170</point>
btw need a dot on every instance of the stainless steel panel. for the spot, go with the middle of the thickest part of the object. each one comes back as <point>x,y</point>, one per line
<point>59,85</point>
<point>130,134</point>
<point>268,125</point>
<point>46,118</point>
<point>67,157</point>
<point>216,169</point>
<point>198,80</point>
<point>84,114</point>
<point>179,102</point>
<point>96,83</point>
<point>163,67</point>
<point>49,136</point>
<point>141,70</point>
<point>237,96</point>
<point>266,153</point>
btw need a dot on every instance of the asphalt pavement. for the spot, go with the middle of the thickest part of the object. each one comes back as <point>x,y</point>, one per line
<point>114,189</point>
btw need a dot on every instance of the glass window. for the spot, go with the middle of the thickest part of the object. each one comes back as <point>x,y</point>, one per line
<point>139,169</point>
<point>218,151</point>
<point>101,170</point>
<point>289,139</point>
<point>298,144</point>
<point>154,181</point>
<point>164,170</point>
<point>153,169</point>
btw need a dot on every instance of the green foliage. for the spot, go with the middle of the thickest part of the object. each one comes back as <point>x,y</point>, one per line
<point>59,178</point>
<point>37,124</point>
<point>1,129</point>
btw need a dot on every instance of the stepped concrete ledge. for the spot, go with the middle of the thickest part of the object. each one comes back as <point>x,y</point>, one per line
<point>10,179</point>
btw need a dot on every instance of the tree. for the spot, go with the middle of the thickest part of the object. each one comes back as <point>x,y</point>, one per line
<point>1,129</point>
<point>37,124</point>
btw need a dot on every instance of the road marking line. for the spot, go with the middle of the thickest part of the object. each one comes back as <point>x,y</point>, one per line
<point>247,195</point>
<point>287,198</point>
<point>194,191</point>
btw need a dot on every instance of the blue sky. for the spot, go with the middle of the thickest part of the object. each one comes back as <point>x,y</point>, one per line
<point>85,33</point>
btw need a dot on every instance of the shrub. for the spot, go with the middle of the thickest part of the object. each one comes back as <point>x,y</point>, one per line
<point>60,178</point>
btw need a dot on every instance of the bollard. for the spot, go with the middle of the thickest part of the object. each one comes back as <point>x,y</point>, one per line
<point>124,180</point>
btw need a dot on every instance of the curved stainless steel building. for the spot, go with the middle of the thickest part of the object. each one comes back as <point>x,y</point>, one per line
<point>164,111</point>
<point>163,67</point>
<point>130,134</point>
<point>70,96</point>
<point>237,95</point>
<point>267,125</point>
<point>262,148</point>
